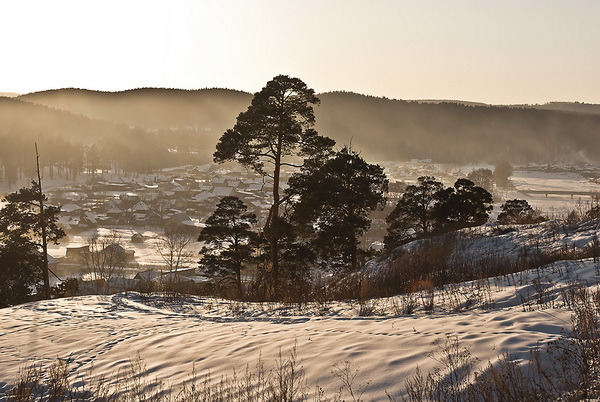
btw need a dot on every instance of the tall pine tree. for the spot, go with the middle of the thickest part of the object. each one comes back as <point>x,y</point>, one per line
<point>274,132</point>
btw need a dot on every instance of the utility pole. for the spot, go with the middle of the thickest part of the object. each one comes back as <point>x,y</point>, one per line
<point>45,269</point>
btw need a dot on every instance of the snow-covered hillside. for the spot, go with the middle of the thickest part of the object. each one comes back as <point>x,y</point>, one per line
<point>101,335</point>
<point>509,242</point>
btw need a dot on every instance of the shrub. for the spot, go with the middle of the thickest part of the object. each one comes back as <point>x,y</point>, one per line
<point>519,212</point>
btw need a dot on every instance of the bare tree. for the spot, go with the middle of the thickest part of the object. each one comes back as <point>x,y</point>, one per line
<point>105,260</point>
<point>173,250</point>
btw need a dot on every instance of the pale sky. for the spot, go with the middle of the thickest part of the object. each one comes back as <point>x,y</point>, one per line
<point>493,51</point>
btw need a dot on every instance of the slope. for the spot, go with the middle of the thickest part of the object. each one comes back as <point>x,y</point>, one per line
<point>174,335</point>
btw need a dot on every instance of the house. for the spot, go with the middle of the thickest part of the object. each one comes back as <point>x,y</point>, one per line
<point>218,181</point>
<point>223,191</point>
<point>174,277</point>
<point>117,249</point>
<point>202,168</point>
<point>181,222</point>
<point>150,218</point>
<point>139,207</point>
<point>77,254</point>
<point>139,219</point>
<point>114,212</point>
<point>254,187</point>
<point>88,220</point>
<point>70,208</point>
<point>67,222</point>
<point>180,276</point>
<point>147,276</point>
<point>186,272</point>
<point>203,196</point>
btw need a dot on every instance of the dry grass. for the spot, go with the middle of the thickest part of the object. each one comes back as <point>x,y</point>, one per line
<point>568,369</point>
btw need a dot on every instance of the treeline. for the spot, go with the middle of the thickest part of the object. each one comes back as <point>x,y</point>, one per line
<point>72,144</point>
<point>138,151</point>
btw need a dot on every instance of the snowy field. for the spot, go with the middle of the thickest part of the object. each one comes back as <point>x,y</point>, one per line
<point>101,335</point>
<point>524,180</point>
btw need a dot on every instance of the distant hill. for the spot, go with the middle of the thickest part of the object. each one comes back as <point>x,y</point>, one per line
<point>9,94</point>
<point>460,102</point>
<point>575,107</point>
<point>29,120</point>
<point>204,109</point>
<point>380,128</point>
<point>387,129</point>
<point>64,138</point>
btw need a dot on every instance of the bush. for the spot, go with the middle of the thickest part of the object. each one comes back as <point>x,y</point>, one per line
<point>519,212</point>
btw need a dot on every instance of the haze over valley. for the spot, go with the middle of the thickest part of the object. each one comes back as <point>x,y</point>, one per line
<point>143,124</point>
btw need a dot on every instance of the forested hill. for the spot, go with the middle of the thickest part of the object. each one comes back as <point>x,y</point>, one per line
<point>65,140</point>
<point>576,107</point>
<point>382,129</point>
<point>386,129</point>
<point>35,121</point>
<point>155,108</point>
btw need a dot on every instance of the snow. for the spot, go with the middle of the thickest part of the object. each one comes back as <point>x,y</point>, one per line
<point>174,335</point>
<point>523,180</point>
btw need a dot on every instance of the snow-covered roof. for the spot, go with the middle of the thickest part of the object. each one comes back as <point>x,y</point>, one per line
<point>140,206</point>
<point>184,218</point>
<point>70,208</point>
<point>149,275</point>
<point>203,196</point>
<point>223,191</point>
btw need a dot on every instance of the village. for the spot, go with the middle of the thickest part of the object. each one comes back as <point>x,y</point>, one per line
<point>138,210</point>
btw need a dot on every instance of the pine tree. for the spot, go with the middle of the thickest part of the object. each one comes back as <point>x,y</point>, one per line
<point>228,238</point>
<point>23,232</point>
<point>335,198</point>
<point>518,212</point>
<point>415,212</point>
<point>274,132</point>
<point>427,209</point>
<point>463,205</point>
